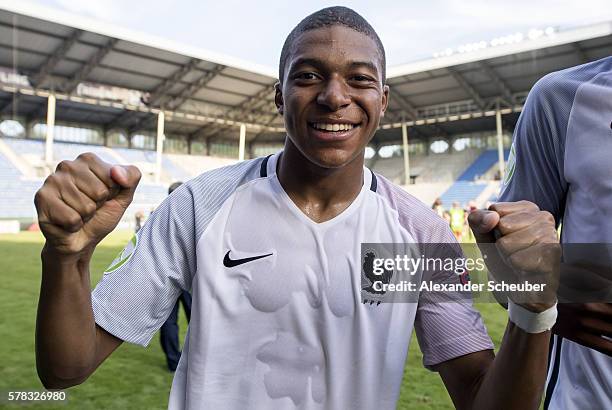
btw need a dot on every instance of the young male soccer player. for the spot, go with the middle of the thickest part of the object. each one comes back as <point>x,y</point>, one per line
<point>271,251</point>
<point>560,160</point>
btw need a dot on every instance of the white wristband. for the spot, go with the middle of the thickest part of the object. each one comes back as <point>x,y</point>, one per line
<point>532,322</point>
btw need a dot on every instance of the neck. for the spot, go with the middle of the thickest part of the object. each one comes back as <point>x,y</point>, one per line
<point>321,193</point>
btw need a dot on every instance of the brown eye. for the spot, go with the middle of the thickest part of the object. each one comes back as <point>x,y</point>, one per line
<point>306,76</point>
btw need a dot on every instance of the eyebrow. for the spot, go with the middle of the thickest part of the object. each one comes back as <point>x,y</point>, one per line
<point>320,64</point>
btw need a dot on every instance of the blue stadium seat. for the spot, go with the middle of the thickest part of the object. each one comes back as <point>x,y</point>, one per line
<point>465,189</point>
<point>481,165</point>
<point>7,169</point>
<point>462,192</point>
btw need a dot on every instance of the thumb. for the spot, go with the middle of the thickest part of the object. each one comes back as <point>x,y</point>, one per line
<point>482,223</point>
<point>127,177</point>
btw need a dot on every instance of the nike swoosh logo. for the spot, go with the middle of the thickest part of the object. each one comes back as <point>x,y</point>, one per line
<point>230,263</point>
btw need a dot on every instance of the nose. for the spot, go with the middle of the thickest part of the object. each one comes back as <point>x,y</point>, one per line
<point>334,95</point>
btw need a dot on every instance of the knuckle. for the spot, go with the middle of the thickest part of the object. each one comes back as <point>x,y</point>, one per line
<point>503,244</point>
<point>101,194</point>
<point>515,260</point>
<point>64,166</point>
<point>505,224</point>
<point>87,157</point>
<point>547,217</point>
<point>51,180</point>
<point>529,205</point>
<point>89,208</point>
<point>496,206</point>
<point>73,222</point>
<point>38,196</point>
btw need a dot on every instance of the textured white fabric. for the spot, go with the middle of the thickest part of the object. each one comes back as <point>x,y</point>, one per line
<point>288,329</point>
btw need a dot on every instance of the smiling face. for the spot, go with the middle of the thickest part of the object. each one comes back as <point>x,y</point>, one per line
<point>332,96</point>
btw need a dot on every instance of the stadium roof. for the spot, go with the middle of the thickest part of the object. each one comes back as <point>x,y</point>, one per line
<point>116,78</point>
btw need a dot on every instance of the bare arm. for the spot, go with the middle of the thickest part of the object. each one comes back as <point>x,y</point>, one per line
<point>514,379</point>
<point>77,206</point>
<point>69,344</point>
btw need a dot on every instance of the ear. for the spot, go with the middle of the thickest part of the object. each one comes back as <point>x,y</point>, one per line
<point>278,98</point>
<point>385,100</point>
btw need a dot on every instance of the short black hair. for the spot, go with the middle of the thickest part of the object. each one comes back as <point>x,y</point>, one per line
<point>328,17</point>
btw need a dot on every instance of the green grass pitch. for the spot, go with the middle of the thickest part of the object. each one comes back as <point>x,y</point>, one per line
<point>134,377</point>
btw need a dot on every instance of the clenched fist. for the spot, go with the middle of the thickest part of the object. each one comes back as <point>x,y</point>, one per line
<point>521,244</point>
<point>82,202</point>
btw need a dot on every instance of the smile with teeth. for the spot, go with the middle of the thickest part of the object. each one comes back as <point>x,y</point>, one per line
<point>332,127</point>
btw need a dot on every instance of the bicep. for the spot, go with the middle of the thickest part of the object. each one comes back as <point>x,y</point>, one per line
<point>462,376</point>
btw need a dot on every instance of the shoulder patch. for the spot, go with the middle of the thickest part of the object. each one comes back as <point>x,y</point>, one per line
<point>123,256</point>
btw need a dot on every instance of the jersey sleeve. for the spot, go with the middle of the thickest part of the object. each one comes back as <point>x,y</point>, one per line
<point>141,286</point>
<point>534,171</point>
<point>447,325</point>
<point>445,329</point>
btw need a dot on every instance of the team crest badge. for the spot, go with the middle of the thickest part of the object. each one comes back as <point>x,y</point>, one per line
<point>123,256</point>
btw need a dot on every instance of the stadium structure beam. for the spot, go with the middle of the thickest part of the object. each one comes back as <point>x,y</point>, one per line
<point>241,142</point>
<point>500,142</point>
<point>467,87</point>
<point>147,119</point>
<point>503,88</point>
<point>204,132</point>
<point>267,122</point>
<point>190,90</point>
<point>11,102</point>
<point>158,95</point>
<point>405,105</point>
<point>250,103</point>
<point>70,85</point>
<point>580,51</point>
<point>160,91</point>
<point>405,152</point>
<point>159,145</point>
<point>412,111</point>
<point>50,129</point>
<point>54,58</point>
<point>240,110</point>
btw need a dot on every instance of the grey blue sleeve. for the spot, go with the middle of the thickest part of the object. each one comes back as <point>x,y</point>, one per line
<point>534,171</point>
<point>140,287</point>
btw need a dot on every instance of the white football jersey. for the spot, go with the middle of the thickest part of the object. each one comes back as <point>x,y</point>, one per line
<point>277,319</point>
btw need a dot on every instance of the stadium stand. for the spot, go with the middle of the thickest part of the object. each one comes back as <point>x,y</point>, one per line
<point>197,164</point>
<point>7,169</point>
<point>17,197</point>
<point>117,88</point>
<point>481,165</point>
<point>462,192</point>
<point>436,172</point>
<point>17,189</point>
<point>427,168</point>
<point>468,187</point>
